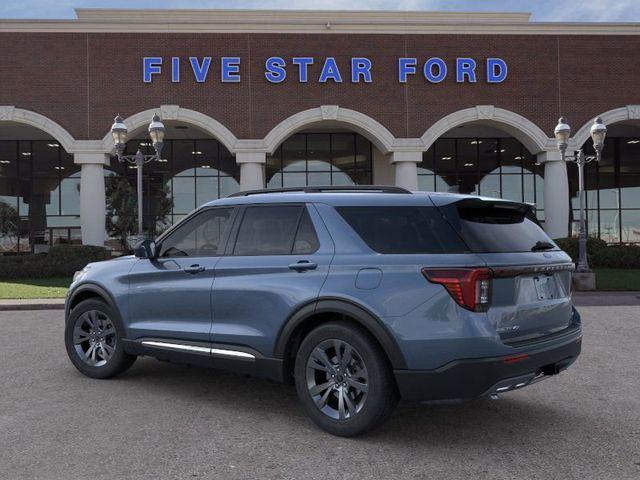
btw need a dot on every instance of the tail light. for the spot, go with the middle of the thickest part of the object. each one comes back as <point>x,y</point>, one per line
<point>469,287</point>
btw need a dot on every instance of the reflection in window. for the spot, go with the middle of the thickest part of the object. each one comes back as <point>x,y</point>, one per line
<point>493,167</point>
<point>320,159</point>
<point>39,196</point>
<point>612,192</point>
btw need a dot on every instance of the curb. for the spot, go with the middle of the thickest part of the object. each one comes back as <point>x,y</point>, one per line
<point>20,305</point>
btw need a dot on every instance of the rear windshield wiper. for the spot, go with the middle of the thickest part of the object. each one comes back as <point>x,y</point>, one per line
<point>542,246</point>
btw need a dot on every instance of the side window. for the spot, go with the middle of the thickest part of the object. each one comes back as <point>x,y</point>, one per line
<point>268,230</point>
<point>200,236</point>
<point>306,241</point>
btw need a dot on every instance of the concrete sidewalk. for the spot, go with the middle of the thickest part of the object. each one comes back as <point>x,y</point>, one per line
<point>581,299</point>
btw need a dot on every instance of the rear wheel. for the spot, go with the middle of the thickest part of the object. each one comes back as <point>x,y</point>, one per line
<point>93,338</point>
<point>343,379</point>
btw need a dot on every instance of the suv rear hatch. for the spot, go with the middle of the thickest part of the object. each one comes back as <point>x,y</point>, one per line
<point>531,284</point>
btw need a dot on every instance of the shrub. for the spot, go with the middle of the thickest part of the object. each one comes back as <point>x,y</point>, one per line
<point>61,261</point>
<point>599,254</point>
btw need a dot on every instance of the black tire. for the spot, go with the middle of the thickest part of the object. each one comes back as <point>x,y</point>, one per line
<point>80,317</point>
<point>381,391</point>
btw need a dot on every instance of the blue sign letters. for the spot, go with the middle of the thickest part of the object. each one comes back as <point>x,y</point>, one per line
<point>434,69</point>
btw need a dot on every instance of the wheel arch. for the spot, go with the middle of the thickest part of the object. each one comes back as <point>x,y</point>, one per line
<point>88,291</point>
<point>322,311</point>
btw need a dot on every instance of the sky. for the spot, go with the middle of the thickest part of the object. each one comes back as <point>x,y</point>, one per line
<point>542,10</point>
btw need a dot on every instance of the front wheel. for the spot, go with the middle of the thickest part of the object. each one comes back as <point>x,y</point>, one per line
<point>93,338</point>
<point>343,379</point>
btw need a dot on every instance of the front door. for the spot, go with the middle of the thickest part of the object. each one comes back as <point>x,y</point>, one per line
<point>277,259</point>
<point>170,296</point>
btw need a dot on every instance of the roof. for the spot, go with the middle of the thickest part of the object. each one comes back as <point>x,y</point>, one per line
<point>310,21</point>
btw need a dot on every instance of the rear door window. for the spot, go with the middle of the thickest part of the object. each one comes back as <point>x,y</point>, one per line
<point>403,230</point>
<point>276,230</point>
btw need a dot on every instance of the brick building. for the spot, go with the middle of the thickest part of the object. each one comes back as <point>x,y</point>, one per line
<point>430,101</point>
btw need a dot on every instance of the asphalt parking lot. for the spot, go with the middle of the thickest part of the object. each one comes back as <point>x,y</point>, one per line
<point>166,421</point>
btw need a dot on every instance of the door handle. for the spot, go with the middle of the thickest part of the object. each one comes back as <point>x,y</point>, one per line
<point>303,265</point>
<point>193,269</point>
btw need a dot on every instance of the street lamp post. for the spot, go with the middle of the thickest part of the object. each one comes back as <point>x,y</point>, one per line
<point>562,133</point>
<point>119,133</point>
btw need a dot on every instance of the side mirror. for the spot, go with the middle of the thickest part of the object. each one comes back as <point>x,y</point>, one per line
<point>146,249</point>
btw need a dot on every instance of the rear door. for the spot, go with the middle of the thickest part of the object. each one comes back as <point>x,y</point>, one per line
<point>531,295</point>
<point>277,259</point>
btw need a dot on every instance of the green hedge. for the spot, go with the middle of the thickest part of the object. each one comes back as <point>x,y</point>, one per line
<point>601,255</point>
<point>61,261</point>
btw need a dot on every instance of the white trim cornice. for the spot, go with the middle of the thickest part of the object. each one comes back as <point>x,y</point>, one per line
<point>309,21</point>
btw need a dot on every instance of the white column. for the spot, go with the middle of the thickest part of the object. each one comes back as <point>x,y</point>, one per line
<point>406,167</point>
<point>92,197</point>
<point>251,170</point>
<point>556,194</point>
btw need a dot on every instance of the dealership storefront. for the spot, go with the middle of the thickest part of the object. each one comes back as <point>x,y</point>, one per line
<point>426,101</point>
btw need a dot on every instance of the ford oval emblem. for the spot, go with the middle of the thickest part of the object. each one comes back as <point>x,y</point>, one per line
<point>547,255</point>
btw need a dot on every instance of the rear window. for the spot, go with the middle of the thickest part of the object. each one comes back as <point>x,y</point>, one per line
<point>495,227</point>
<point>403,230</point>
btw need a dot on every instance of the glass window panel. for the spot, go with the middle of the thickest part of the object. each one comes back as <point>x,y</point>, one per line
<point>45,196</point>
<point>631,226</point>
<point>528,190</point>
<point>629,155</point>
<point>441,184</point>
<point>267,230</point>
<point>468,184</point>
<point>490,186</point>
<point>630,196</point>
<point>274,181</point>
<point>293,153</point>
<point>539,191</point>
<point>363,153</point>
<point>360,177</point>
<point>318,152</point>
<point>63,221</point>
<point>342,178</point>
<point>343,151</point>
<point>512,187</point>
<point>183,195</point>
<point>445,149</point>
<point>488,155</point>
<point>8,159</point>
<point>70,196</point>
<point>290,179</point>
<point>272,167</point>
<point>67,167</point>
<point>45,159</point>
<point>206,190</point>
<point>24,160</point>
<point>467,151</point>
<point>427,165</point>
<point>426,183</point>
<point>206,157</point>
<point>228,185</point>
<point>183,158</point>
<point>609,225</point>
<point>228,164</point>
<point>306,241</point>
<point>511,155</point>
<point>609,198</point>
<point>200,236</point>
<point>320,178</point>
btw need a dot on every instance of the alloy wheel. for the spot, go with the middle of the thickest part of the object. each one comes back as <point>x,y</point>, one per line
<point>94,338</point>
<point>337,379</point>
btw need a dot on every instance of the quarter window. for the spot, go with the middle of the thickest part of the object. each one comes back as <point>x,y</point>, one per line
<point>200,236</point>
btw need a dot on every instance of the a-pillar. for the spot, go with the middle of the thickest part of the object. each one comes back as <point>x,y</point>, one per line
<point>556,194</point>
<point>406,168</point>
<point>251,170</point>
<point>92,196</point>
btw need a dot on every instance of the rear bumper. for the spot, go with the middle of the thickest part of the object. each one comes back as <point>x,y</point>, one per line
<point>471,378</point>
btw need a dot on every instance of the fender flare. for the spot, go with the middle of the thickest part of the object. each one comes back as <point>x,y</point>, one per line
<point>353,310</point>
<point>95,289</point>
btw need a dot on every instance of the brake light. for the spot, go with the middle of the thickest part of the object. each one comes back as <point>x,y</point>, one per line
<point>469,287</point>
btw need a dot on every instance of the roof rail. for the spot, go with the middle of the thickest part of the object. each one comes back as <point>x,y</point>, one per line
<point>326,188</point>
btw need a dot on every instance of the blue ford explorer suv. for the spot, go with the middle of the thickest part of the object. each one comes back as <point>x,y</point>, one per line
<point>358,296</point>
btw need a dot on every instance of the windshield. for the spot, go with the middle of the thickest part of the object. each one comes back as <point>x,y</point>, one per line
<point>496,227</point>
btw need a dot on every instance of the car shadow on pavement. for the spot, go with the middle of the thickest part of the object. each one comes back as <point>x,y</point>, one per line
<point>512,418</point>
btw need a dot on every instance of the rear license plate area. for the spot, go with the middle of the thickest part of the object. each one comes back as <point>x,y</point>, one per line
<point>545,286</point>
